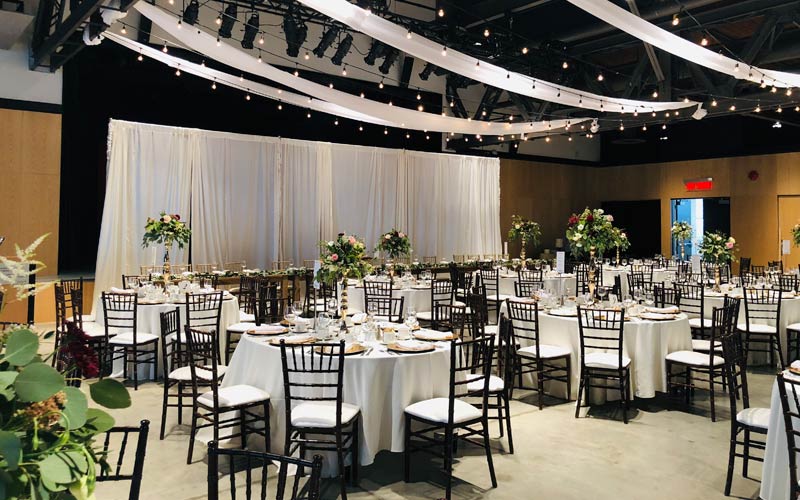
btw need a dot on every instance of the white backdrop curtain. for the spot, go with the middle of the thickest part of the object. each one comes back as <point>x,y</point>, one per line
<point>262,199</point>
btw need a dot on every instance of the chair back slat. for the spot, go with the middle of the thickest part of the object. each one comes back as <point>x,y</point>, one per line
<point>601,330</point>
<point>789,390</point>
<point>313,372</point>
<point>115,442</point>
<point>203,310</point>
<point>762,306</point>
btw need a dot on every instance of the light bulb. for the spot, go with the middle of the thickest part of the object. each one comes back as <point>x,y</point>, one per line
<point>247,97</point>
<point>444,51</point>
<point>164,50</point>
<point>441,12</point>
<point>280,107</point>
<point>733,107</point>
<point>686,100</point>
<point>261,40</point>
<point>219,19</point>
<point>178,72</point>
<point>524,50</point>
<point>546,139</point>
<point>330,85</point>
<point>621,127</point>
<point>797,108</point>
<point>600,77</point>
<point>427,137</point>
<point>386,131</point>
<point>789,91</point>
<point>664,127</point>
<point>336,122</point>
<point>344,70</point>
<point>774,89</point>
<point>125,32</point>
<point>644,128</point>
<point>391,103</point>
<point>140,58</point>
<point>296,72</point>
<point>569,138</point>
<point>419,96</point>
<point>655,94</point>
<point>486,32</point>
<point>704,42</point>
<point>308,115</point>
<point>408,35</point>
<point>306,56</point>
<point>380,85</point>
<point>779,110</point>
<point>420,108</point>
<point>362,94</point>
<point>736,68</point>
<point>259,58</point>
<point>675,20</point>
<point>758,109</point>
<point>714,103</point>
<point>218,42</point>
<point>360,128</point>
<point>408,136</point>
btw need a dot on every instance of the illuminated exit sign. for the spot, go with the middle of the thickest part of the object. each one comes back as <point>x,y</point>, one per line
<point>699,184</point>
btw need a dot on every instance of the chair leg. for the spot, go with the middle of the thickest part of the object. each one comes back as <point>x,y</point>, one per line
<point>746,458</point>
<point>192,434</point>
<point>340,464</point>
<point>711,395</point>
<point>540,382</point>
<point>569,378</point>
<point>355,452</point>
<point>243,427</point>
<point>581,382</point>
<point>407,451</point>
<point>778,347</point>
<point>164,408</point>
<point>731,461</point>
<point>448,459</point>
<point>227,347</point>
<point>180,403</point>
<point>488,449</point>
<point>135,353</point>
<point>267,428</point>
<point>624,395</point>
<point>500,413</point>
<point>508,424</point>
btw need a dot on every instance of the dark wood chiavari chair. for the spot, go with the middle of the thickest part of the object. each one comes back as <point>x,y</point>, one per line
<point>786,282</point>
<point>789,390</point>
<point>638,279</point>
<point>441,294</point>
<point>775,265</point>
<point>527,288</point>
<point>115,444</point>
<point>762,312</point>
<point>470,371</point>
<point>203,312</point>
<point>603,355</point>
<point>95,331</point>
<point>430,260</point>
<point>581,270</point>
<point>462,282</point>
<point>530,275</point>
<point>272,305</point>
<point>234,267</point>
<point>532,357</point>
<point>666,296</point>
<point>304,483</point>
<point>281,265</point>
<point>744,265</point>
<point>175,367</point>
<point>453,318</point>
<point>490,279</point>
<point>459,258</point>
<point>203,268</point>
<point>126,278</point>
<point>757,270</point>
<point>210,281</point>
<point>236,406</point>
<point>248,297</point>
<point>314,402</point>
<point>378,297</point>
<point>695,367</point>
<point>745,421</point>
<point>128,344</point>
<point>693,304</point>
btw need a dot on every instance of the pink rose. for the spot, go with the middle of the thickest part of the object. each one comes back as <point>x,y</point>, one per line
<point>352,240</point>
<point>729,245</point>
<point>334,257</point>
<point>401,235</point>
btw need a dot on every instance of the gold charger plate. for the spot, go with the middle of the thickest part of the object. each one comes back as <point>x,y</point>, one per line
<point>349,350</point>
<point>422,335</point>
<point>151,302</point>
<point>395,347</point>
<point>286,323</point>
<point>294,341</point>
<point>794,370</point>
<point>267,333</point>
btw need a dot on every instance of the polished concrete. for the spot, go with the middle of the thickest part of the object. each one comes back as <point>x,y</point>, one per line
<point>666,452</point>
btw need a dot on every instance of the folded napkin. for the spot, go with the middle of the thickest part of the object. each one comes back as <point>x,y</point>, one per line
<point>268,329</point>
<point>410,344</point>
<point>121,290</point>
<point>359,317</point>
<point>663,310</point>
<point>795,365</point>
<point>436,335</point>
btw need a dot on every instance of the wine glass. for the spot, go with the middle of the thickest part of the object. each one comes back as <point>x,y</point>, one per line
<point>649,299</point>
<point>289,315</point>
<point>332,306</point>
<point>322,324</point>
<point>638,295</point>
<point>602,291</point>
<point>411,318</point>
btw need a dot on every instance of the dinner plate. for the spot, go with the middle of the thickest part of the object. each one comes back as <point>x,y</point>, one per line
<point>349,350</point>
<point>397,347</point>
<point>657,316</point>
<point>563,313</point>
<point>294,340</point>
<point>431,336</point>
<point>270,332</point>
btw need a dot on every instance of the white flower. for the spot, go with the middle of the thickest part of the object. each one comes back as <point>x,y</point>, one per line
<point>610,218</point>
<point>330,244</point>
<point>516,226</point>
<point>167,218</point>
<point>580,227</point>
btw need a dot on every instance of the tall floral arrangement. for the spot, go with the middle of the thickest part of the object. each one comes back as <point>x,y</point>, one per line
<point>718,248</point>
<point>167,229</point>
<point>796,234</point>
<point>525,230</point>
<point>47,430</point>
<point>394,243</point>
<point>621,240</point>
<point>342,258</point>
<point>590,231</point>
<point>681,231</point>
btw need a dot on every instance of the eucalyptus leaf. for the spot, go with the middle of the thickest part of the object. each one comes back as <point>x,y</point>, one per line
<point>99,420</point>
<point>37,382</point>
<point>7,378</point>
<point>10,449</point>
<point>110,393</point>
<point>21,347</point>
<point>62,469</point>
<point>75,409</point>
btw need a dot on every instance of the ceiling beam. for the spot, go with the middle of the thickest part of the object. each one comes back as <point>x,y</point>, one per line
<point>452,96</point>
<point>651,54</point>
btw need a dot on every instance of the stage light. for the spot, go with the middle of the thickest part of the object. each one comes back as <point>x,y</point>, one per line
<point>426,71</point>
<point>327,40</point>
<point>250,31</point>
<point>296,32</point>
<point>377,50</point>
<point>191,12</point>
<point>228,20</point>
<point>389,61</point>
<point>342,49</point>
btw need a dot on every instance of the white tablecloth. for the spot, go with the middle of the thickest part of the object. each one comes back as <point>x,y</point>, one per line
<point>148,318</point>
<point>418,298</point>
<point>775,472</point>
<point>381,384</point>
<point>610,272</point>
<point>647,343</point>
<point>559,285</point>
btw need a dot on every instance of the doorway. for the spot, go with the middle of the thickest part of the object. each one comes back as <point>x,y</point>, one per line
<point>704,215</point>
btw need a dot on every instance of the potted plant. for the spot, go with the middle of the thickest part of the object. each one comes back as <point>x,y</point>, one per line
<point>166,230</point>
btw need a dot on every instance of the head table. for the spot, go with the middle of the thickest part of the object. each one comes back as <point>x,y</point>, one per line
<point>382,384</point>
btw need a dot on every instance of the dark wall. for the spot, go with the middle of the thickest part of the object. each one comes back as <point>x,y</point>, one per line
<point>107,81</point>
<point>641,220</point>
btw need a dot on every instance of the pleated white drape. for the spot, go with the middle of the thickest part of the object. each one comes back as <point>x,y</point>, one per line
<point>262,199</point>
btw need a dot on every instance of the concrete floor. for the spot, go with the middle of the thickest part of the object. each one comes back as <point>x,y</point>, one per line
<point>665,452</point>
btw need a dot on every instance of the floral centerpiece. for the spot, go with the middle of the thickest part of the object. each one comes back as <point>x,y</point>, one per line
<point>590,233</point>
<point>682,232</point>
<point>718,249</point>
<point>47,430</point>
<point>621,241</point>
<point>525,230</point>
<point>342,258</point>
<point>796,234</point>
<point>166,230</point>
<point>394,244</point>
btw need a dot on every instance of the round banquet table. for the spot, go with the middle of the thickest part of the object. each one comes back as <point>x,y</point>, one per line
<point>775,471</point>
<point>380,383</point>
<point>562,284</point>
<point>610,272</point>
<point>418,297</point>
<point>790,313</point>
<point>148,320</point>
<point>647,343</point>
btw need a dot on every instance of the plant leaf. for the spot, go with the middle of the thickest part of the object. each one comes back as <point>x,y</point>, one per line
<point>7,378</point>
<point>10,448</point>
<point>21,347</point>
<point>99,420</point>
<point>62,468</point>
<point>37,382</point>
<point>75,410</point>
<point>110,393</point>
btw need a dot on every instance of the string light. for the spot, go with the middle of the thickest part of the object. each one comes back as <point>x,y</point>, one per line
<point>444,51</point>
<point>565,65</point>
<point>214,85</point>
<point>344,70</point>
<point>547,139</point>
<point>306,56</point>
<point>714,103</point>
<point>621,127</point>
<point>330,85</point>
<point>380,85</point>
<point>408,35</point>
<point>247,97</point>
<point>125,32</point>
<point>419,96</point>
<point>797,108</point>
<point>308,114</point>
<point>420,108</point>
<point>524,50</point>
<point>779,110</point>
<point>736,68</point>
<point>140,58</point>
<point>219,19</point>
<point>361,128</point>
<point>241,77</point>
<point>441,12</point>
<point>733,107</point>
<point>644,128</point>
<point>362,94</point>
<point>385,131</point>
<point>758,109</point>
<point>219,42</point>
<point>704,42</point>
<point>280,106</point>
<point>486,33</point>
<point>675,20</point>
<point>178,71</point>
<point>569,138</point>
<point>600,77</point>
<point>664,127</point>
<point>180,25</point>
<point>261,39</point>
<point>477,64</point>
<point>789,91</point>
<point>336,121</point>
<point>391,103</point>
<point>164,50</point>
<point>686,100</point>
<point>427,137</point>
<point>774,89</point>
<point>259,56</point>
<point>296,71</point>
<point>408,136</point>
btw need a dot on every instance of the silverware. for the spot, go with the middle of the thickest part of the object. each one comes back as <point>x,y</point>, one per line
<point>367,352</point>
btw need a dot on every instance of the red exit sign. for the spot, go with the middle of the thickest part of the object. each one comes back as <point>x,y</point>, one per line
<point>701,184</point>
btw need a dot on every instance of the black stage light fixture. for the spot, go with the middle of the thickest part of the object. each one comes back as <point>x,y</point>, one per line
<point>296,32</point>
<point>250,31</point>
<point>191,12</point>
<point>228,20</point>
<point>96,25</point>
<point>376,51</point>
<point>327,40</point>
<point>342,50</point>
<point>389,60</point>
<point>426,71</point>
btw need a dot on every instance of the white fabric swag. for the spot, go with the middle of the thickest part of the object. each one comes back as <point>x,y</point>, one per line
<point>262,199</point>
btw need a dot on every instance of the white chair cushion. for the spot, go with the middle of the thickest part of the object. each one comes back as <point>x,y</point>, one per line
<point>694,358</point>
<point>184,373</point>
<point>84,317</point>
<point>235,395</point>
<point>793,326</point>
<point>425,315</point>
<point>497,297</point>
<point>695,323</point>
<point>127,338</point>
<point>241,327</point>
<point>246,317</point>
<point>757,328</point>
<point>491,329</point>
<point>172,336</point>
<point>321,414</point>
<point>459,303</point>
<point>754,417</point>
<point>606,360</point>
<point>496,384</point>
<point>435,410</point>
<point>705,345</point>
<point>545,351</point>
<point>95,330</point>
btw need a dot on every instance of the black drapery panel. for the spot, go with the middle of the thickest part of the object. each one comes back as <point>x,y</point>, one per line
<point>641,220</point>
